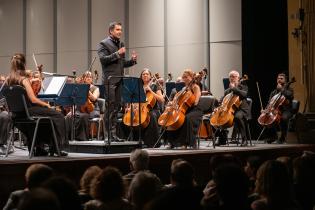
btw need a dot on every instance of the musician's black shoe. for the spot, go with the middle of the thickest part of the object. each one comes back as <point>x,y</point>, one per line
<point>220,143</point>
<point>272,139</point>
<point>244,144</point>
<point>38,151</point>
<point>62,153</point>
<point>281,140</point>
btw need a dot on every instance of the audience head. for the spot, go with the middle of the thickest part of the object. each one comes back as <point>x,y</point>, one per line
<point>252,165</point>
<point>218,160</point>
<point>87,177</point>
<point>143,188</point>
<point>39,199</point>
<point>232,184</point>
<point>139,160</point>
<point>108,185</point>
<point>65,191</point>
<point>182,173</point>
<point>36,174</point>
<point>273,182</point>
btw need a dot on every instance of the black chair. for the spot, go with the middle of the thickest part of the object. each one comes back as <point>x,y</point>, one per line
<point>207,104</point>
<point>18,103</point>
<point>295,108</point>
<point>100,120</point>
<point>248,119</point>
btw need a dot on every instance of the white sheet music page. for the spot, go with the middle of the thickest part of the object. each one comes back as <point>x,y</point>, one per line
<point>55,85</point>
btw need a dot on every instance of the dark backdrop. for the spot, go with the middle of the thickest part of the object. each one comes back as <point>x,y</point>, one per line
<point>264,48</point>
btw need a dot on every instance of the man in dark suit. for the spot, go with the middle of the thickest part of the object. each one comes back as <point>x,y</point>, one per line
<point>241,112</point>
<point>111,52</point>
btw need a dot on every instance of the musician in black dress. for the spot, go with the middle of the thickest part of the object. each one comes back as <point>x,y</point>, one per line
<point>186,134</point>
<point>36,107</point>
<point>111,52</point>
<point>150,134</point>
<point>285,109</point>
<point>241,112</point>
<point>85,112</point>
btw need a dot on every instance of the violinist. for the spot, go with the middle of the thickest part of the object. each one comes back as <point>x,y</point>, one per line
<point>186,134</point>
<point>38,108</point>
<point>241,112</point>
<point>85,112</point>
<point>285,109</point>
<point>153,91</point>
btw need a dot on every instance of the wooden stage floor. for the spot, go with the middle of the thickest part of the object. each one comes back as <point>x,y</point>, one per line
<point>14,166</point>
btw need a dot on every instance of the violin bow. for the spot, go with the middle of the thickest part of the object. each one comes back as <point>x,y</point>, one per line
<point>259,95</point>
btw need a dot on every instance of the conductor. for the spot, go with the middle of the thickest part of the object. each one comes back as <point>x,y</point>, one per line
<point>111,52</point>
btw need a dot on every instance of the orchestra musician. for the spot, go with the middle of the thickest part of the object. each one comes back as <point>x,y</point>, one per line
<point>186,134</point>
<point>38,108</point>
<point>111,52</point>
<point>150,134</point>
<point>241,112</point>
<point>85,112</point>
<point>5,121</point>
<point>285,109</point>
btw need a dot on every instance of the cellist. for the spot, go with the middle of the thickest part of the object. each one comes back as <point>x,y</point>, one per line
<point>155,99</point>
<point>241,112</point>
<point>186,134</point>
<point>285,109</point>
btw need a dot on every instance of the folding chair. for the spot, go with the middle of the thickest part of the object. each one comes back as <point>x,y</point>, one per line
<point>17,102</point>
<point>100,120</point>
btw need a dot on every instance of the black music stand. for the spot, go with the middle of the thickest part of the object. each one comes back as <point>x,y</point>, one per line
<point>73,95</point>
<point>171,85</point>
<point>132,92</point>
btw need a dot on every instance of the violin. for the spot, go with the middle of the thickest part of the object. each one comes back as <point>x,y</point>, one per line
<point>174,115</point>
<point>272,114</point>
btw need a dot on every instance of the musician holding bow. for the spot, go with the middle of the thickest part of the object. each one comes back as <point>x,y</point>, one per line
<point>186,134</point>
<point>241,112</point>
<point>85,112</point>
<point>154,98</point>
<point>285,109</point>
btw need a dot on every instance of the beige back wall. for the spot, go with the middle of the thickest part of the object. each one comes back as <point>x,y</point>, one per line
<point>168,35</point>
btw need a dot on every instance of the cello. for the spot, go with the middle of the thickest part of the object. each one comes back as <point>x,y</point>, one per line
<point>223,116</point>
<point>174,115</point>
<point>131,116</point>
<point>272,114</point>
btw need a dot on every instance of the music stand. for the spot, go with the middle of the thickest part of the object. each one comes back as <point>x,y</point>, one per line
<point>73,95</point>
<point>132,92</point>
<point>171,85</point>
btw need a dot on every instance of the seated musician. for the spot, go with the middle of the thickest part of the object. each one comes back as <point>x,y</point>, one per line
<point>37,108</point>
<point>5,121</point>
<point>240,114</point>
<point>286,109</point>
<point>150,134</point>
<point>85,112</point>
<point>186,134</point>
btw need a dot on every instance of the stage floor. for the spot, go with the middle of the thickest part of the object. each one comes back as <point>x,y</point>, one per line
<point>205,148</point>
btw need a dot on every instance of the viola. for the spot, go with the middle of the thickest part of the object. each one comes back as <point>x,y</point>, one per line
<point>272,114</point>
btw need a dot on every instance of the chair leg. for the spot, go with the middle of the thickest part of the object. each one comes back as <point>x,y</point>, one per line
<point>103,125</point>
<point>99,129</point>
<point>55,138</point>
<point>9,142</point>
<point>249,135</point>
<point>34,139</point>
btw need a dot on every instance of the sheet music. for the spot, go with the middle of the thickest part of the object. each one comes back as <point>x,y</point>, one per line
<point>55,85</point>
